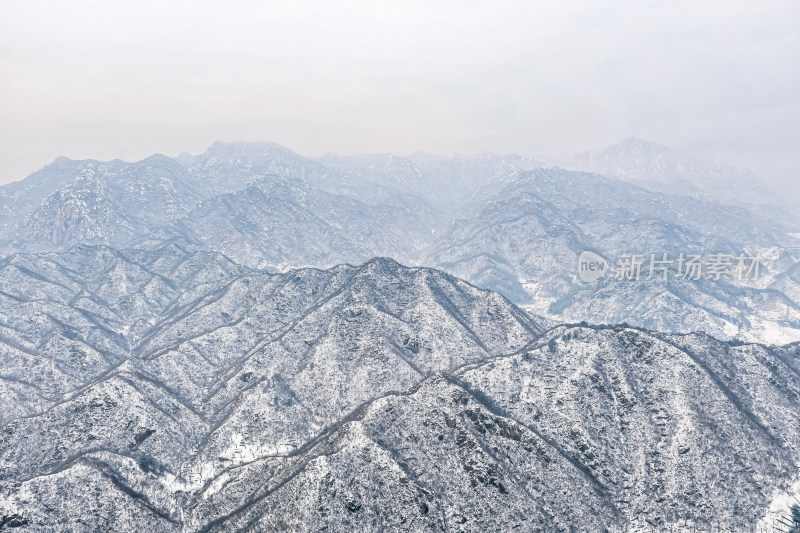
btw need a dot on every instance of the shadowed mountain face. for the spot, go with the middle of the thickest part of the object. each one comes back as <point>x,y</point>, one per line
<point>173,390</point>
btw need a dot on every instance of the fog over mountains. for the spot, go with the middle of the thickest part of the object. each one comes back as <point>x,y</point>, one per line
<point>254,340</point>
<point>503,223</point>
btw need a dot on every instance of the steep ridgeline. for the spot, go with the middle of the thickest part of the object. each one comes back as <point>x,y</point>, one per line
<point>588,430</point>
<point>667,427</point>
<point>183,364</point>
<point>177,391</point>
<point>68,319</point>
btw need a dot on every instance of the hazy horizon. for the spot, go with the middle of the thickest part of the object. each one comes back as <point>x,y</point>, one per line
<point>126,80</point>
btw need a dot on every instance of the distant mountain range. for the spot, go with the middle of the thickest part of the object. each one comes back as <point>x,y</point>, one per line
<point>664,169</point>
<point>505,223</point>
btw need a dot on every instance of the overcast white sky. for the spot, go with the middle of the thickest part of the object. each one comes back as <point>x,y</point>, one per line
<point>105,79</point>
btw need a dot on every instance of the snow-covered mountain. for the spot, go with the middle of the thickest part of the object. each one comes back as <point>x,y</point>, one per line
<point>525,241</point>
<point>20,198</point>
<point>489,219</point>
<point>230,167</point>
<point>169,389</point>
<point>112,203</point>
<point>256,202</point>
<point>167,367</point>
<point>282,223</point>
<point>664,425</point>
